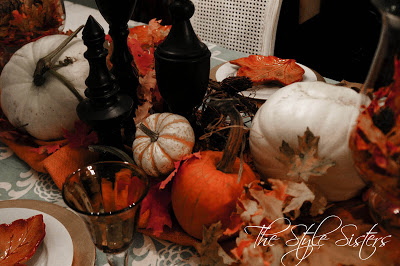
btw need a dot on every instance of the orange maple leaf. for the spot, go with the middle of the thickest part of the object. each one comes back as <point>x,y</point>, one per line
<point>266,69</point>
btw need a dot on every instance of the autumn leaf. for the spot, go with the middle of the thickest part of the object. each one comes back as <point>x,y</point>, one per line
<point>20,239</point>
<point>46,149</point>
<point>158,202</point>
<point>266,69</point>
<point>178,164</point>
<point>142,112</point>
<point>263,204</point>
<point>304,162</point>
<point>144,59</point>
<point>271,207</point>
<point>142,35</point>
<point>298,192</point>
<point>30,21</point>
<point>319,203</point>
<point>148,83</point>
<point>82,136</point>
<point>9,132</point>
<point>142,42</point>
<point>210,251</point>
<point>151,35</point>
<point>375,142</point>
<point>248,253</point>
<point>158,32</point>
<point>258,206</point>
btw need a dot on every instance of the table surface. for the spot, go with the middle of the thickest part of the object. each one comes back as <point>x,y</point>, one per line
<point>19,181</point>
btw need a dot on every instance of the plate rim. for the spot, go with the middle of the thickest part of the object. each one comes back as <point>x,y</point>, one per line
<point>84,251</point>
<point>51,222</point>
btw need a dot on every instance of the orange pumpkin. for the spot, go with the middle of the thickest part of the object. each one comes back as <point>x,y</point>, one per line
<point>206,190</point>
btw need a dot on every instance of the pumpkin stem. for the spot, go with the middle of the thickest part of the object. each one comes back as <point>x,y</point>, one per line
<point>153,135</point>
<point>44,64</point>
<point>67,84</point>
<point>233,145</point>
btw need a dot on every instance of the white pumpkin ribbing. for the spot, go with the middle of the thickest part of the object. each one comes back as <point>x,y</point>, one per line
<point>175,140</point>
<point>329,111</point>
<point>44,110</point>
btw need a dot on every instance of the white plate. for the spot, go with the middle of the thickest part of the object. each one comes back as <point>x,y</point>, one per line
<point>56,248</point>
<point>261,92</point>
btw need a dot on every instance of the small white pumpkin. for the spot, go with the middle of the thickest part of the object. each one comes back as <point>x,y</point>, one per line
<point>329,112</point>
<point>161,140</point>
<point>43,111</point>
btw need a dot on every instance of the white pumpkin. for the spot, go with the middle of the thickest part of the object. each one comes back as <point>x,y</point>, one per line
<point>170,138</point>
<point>43,111</point>
<point>329,112</point>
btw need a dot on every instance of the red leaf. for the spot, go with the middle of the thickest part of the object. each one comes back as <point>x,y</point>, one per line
<point>144,59</point>
<point>178,164</point>
<point>83,135</point>
<point>158,202</point>
<point>20,239</point>
<point>108,38</point>
<point>265,69</point>
<point>142,41</point>
<point>142,35</point>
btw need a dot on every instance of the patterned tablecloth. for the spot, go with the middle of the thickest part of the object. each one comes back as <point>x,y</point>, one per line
<point>19,181</point>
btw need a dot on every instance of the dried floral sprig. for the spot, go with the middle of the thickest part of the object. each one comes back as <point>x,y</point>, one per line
<point>212,125</point>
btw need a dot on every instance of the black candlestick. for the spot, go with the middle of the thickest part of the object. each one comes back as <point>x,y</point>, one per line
<point>117,14</point>
<point>104,109</point>
<point>182,63</point>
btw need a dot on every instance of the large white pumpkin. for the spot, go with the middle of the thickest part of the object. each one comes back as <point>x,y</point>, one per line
<point>44,110</point>
<point>329,112</point>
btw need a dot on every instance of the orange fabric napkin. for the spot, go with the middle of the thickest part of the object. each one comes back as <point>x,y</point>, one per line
<point>65,161</point>
<point>59,164</point>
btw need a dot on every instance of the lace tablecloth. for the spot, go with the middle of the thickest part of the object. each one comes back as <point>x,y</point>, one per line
<point>19,181</point>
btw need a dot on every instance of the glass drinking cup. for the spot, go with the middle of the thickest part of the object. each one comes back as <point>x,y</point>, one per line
<point>107,196</point>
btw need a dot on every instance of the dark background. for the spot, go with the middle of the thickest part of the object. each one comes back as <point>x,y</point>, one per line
<point>338,43</point>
